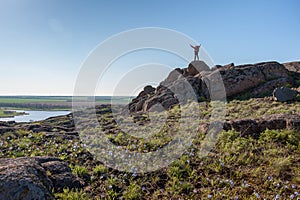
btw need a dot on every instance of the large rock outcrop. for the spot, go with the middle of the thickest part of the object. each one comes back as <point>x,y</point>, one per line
<point>35,177</point>
<point>244,77</point>
<point>199,82</point>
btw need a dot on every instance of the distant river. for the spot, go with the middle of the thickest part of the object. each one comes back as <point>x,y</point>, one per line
<point>34,115</point>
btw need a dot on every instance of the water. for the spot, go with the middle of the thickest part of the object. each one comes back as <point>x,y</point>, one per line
<point>34,115</point>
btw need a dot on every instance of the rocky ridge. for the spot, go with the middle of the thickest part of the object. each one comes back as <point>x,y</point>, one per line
<point>254,80</point>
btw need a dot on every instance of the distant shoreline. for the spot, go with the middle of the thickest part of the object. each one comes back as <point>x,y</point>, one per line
<point>55,102</point>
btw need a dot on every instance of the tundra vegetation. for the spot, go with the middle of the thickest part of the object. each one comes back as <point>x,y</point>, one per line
<point>264,166</point>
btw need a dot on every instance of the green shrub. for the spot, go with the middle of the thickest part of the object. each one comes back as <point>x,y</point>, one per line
<point>68,194</point>
<point>80,171</point>
<point>100,169</point>
<point>133,191</point>
<point>290,137</point>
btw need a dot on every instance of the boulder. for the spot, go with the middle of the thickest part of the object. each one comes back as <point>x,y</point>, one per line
<point>245,126</point>
<point>230,65</point>
<point>60,174</point>
<point>244,77</point>
<point>148,89</point>
<point>173,76</point>
<point>24,178</point>
<point>34,177</point>
<point>150,102</point>
<point>157,99</point>
<point>139,105</point>
<point>195,67</point>
<point>169,103</point>
<point>284,94</point>
<point>292,66</point>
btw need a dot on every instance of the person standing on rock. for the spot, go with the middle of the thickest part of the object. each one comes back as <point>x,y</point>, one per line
<point>196,51</point>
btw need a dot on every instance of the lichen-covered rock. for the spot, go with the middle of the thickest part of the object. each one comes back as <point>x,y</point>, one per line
<point>34,177</point>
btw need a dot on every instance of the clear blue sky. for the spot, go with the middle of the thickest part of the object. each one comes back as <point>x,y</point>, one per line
<point>43,43</point>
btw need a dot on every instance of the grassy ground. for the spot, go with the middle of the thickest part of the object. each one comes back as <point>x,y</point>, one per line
<point>255,107</point>
<point>267,167</point>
